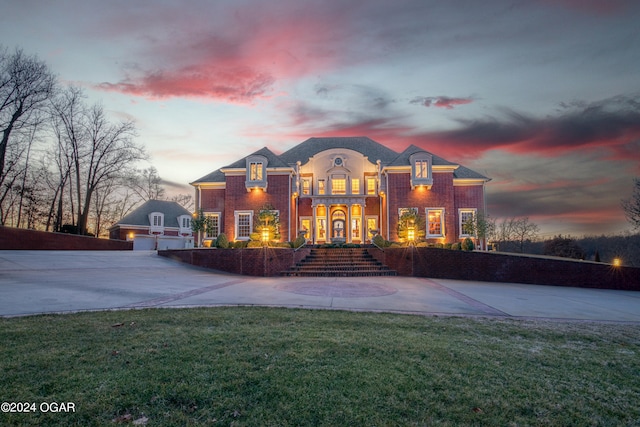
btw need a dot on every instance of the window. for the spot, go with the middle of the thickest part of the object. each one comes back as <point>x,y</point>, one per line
<point>371,186</point>
<point>338,186</point>
<point>244,223</point>
<point>255,173</point>
<point>306,187</point>
<point>355,185</point>
<point>467,218</point>
<point>157,220</point>
<point>321,186</point>
<point>435,225</point>
<point>186,222</point>
<point>422,169</point>
<point>214,225</point>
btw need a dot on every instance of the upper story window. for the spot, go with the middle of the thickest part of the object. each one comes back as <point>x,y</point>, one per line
<point>306,186</point>
<point>256,170</point>
<point>256,173</point>
<point>355,186</point>
<point>339,185</point>
<point>156,222</point>
<point>321,186</point>
<point>184,221</point>
<point>371,186</point>
<point>421,169</point>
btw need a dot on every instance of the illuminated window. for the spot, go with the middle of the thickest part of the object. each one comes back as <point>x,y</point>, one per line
<point>306,187</point>
<point>244,221</point>
<point>422,169</point>
<point>338,186</point>
<point>321,186</point>
<point>355,186</point>
<point>256,171</point>
<point>371,186</point>
<point>435,226</point>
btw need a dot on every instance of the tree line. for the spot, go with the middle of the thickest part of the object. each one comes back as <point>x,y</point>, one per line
<point>65,165</point>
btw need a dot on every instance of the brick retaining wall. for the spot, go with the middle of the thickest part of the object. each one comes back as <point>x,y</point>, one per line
<point>250,262</point>
<point>508,268</point>
<point>22,239</point>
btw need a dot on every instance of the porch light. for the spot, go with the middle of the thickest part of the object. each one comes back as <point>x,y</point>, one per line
<point>131,235</point>
<point>265,235</point>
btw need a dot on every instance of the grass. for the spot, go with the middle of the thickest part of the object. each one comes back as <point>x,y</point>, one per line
<point>280,367</point>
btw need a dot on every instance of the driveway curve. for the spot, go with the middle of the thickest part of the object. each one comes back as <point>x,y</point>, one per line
<point>36,282</point>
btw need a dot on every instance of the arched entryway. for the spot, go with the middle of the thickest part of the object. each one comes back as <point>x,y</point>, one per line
<point>338,226</point>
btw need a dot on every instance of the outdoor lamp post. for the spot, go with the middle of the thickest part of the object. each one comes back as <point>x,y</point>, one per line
<point>265,235</point>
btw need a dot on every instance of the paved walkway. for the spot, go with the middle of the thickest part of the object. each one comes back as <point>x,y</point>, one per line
<point>33,282</point>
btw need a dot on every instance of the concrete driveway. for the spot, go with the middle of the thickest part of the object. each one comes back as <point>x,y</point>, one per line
<point>34,282</point>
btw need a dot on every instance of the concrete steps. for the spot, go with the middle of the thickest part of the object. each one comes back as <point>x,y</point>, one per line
<point>339,262</point>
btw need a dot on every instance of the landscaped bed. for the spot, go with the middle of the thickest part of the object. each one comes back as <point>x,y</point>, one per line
<point>261,366</point>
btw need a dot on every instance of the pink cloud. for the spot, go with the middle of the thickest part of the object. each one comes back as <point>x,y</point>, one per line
<point>241,59</point>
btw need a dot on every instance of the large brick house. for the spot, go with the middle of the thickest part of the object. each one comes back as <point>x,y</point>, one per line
<point>342,190</point>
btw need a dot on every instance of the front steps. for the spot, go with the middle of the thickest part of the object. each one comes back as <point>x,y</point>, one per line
<point>339,262</point>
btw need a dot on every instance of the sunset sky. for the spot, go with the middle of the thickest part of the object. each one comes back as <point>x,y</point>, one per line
<point>543,96</point>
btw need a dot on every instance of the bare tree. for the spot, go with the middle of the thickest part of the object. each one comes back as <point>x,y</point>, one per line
<point>631,206</point>
<point>524,230</point>
<point>147,184</point>
<point>26,85</point>
<point>111,150</point>
<point>91,151</point>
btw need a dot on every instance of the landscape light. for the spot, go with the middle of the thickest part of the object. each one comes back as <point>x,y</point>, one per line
<point>617,262</point>
<point>411,233</point>
<point>265,235</point>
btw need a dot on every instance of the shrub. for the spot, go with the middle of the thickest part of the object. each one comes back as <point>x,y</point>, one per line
<point>300,240</point>
<point>467,244</point>
<point>423,245</point>
<point>439,246</point>
<point>222,242</point>
<point>447,245</point>
<point>378,240</point>
<point>254,244</point>
<point>255,237</point>
<point>455,246</point>
<point>240,244</point>
<point>394,245</point>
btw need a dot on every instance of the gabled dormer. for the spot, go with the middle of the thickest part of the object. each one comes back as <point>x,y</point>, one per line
<point>256,172</point>
<point>421,169</point>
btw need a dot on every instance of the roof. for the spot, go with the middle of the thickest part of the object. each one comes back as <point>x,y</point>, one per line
<point>140,216</point>
<point>363,145</point>
<point>373,150</point>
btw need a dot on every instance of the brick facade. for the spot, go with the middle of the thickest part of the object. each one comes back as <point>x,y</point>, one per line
<point>342,188</point>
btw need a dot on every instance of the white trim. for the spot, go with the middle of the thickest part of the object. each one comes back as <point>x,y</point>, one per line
<point>442,222</point>
<point>236,215</point>
<point>460,223</point>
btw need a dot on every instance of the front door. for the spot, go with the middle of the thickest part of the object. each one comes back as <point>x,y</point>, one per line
<point>338,226</point>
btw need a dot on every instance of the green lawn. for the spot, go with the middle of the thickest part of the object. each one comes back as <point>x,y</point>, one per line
<point>280,367</point>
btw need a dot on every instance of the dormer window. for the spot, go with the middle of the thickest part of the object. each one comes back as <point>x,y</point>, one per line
<point>421,170</point>
<point>184,221</point>
<point>156,222</point>
<point>256,173</point>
